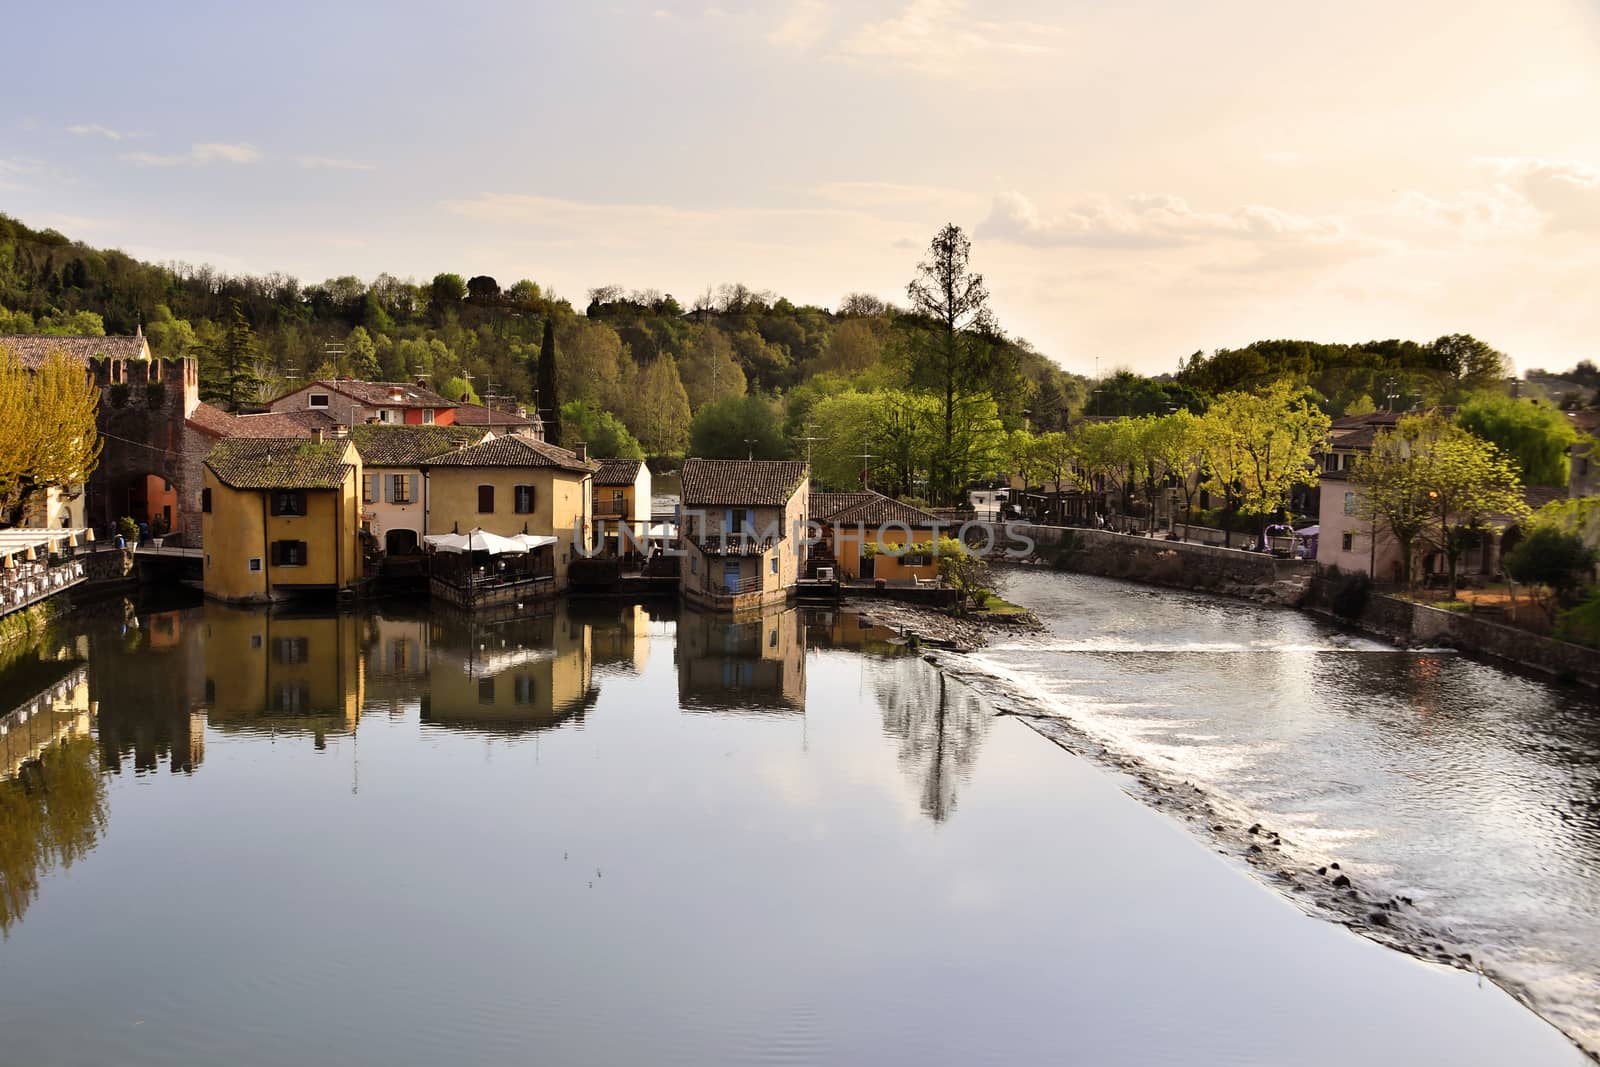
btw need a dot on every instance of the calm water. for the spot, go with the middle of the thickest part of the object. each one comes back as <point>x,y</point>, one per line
<point>607,837</point>
<point>1473,791</point>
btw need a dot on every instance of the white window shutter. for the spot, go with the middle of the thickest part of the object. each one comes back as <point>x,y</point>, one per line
<point>415,495</point>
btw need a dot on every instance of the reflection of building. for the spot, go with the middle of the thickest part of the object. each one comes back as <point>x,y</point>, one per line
<point>619,634</point>
<point>525,674</point>
<point>290,673</point>
<point>56,707</point>
<point>147,674</point>
<point>754,662</point>
<point>396,657</point>
<point>833,628</point>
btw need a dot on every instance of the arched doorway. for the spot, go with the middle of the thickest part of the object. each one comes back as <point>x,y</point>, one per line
<point>400,542</point>
<point>146,498</point>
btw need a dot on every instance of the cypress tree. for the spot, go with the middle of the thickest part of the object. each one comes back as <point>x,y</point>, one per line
<point>549,403</point>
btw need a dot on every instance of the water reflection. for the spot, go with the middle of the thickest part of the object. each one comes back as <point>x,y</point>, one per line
<point>282,673</point>
<point>52,796</point>
<point>509,677</point>
<point>148,673</point>
<point>754,663</point>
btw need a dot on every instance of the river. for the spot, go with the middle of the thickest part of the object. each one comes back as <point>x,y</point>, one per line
<point>1470,791</point>
<point>617,835</point>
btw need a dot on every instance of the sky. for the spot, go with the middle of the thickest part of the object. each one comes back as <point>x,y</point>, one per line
<point>1141,179</point>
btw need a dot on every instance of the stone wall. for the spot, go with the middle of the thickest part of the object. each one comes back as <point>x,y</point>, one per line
<point>1177,564</point>
<point>144,406</point>
<point>1408,623</point>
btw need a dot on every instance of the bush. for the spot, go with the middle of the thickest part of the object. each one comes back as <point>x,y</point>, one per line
<point>128,528</point>
<point>1350,592</point>
<point>1581,624</point>
<point>1551,557</point>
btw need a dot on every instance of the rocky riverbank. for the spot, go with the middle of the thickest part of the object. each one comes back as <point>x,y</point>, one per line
<point>940,629</point>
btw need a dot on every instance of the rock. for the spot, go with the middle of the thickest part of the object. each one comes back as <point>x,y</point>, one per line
<point>1255,828</point>
<point>1378,918</point>
<point>1322,870</point>
<point>1255,849</point>
<point>1333,866</point>
<point>1340,882</point>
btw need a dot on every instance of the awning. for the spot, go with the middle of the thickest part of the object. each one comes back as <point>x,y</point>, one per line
<point>1309,531</point>
<point>663,531</point>
<point>476,540</point>
<point>40,540</point>
<point>529,542</point>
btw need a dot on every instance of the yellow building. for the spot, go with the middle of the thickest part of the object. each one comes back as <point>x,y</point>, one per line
<point>280,516</point>
<point>283,673</point>
<point>529,673</point>
<point>511,485</point>
<point>855,526</point>
<point>392,458</point>
<point>743,524</point>
<point>622,499</point>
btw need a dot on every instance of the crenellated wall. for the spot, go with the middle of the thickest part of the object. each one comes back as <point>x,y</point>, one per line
<point>148,444</point>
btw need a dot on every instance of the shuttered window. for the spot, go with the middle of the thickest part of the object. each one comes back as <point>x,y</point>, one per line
<point>524,499</point>
<point>486,499</point>
<point>288,553</point>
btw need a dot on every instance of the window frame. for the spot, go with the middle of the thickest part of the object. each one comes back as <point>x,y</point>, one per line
<point>517,492</point>
<point>289,552</point>
<point>486,492</point>
<point>325,398</point>
<point>282,496</point>
<point>400,489</point>
<point>205,501</point>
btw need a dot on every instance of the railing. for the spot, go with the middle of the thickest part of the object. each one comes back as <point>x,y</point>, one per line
<point>29,583</point>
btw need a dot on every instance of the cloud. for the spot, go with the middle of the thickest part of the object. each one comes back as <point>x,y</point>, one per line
<point>803,26</point>
<point>1566,193</point>
<point>332,163</point>
<point>938,37</point>
<point>94,129</point>
<point>1147,221</point>
<point>198,155</point>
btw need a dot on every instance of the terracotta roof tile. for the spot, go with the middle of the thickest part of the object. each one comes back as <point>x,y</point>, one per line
<point>875,509</point>
<point>479,415</point>
<point>514,450</point>
<point>32,348</point>
<point>617,471</point>
<point>748,482</point>
<point>274,463</point>
<point>410,446</point>
<point>379,394</point>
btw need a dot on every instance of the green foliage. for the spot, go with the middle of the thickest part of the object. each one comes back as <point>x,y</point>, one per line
<point>458,389</point>
<point>604,433</point>
<point>1536,435</point>
<point>738,427</point>
<point>1552,558</point>
<point>128,529</point>
<point>48,438</point>
<point>1581,624</point>
<point>549,392</point>
<point>228,375</point>
<point>657,411</point>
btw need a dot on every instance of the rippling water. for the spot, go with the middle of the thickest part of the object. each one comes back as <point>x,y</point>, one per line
<point>606,836</point>
<point>1474,791</point>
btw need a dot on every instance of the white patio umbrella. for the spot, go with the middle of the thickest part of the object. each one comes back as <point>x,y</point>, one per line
<point>476,540</point>
<point>529,542</point>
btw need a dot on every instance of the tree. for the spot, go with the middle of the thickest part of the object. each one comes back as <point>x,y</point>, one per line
<point>228,375</point>
<point>549,393</point>
<point>710,368</point>
<point>1179,442</point>
<point>1465,365</point>
<point>483,290</point>
<point>1552,558</point>
<point>48,436</point>
<point>1268,440</point>
<point>737,427</point>
<point>1470,480</point>
<point>458,389</point>
<point>658,409</point>
<point>445,293</point>
<point>950,339</point>
<point>1535,435</point>
<point>602,431</point>
<point>361,355</point>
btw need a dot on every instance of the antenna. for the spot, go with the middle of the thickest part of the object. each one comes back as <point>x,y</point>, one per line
<point>750,443</point>
<point>808,439</point>
<point>864,456</point>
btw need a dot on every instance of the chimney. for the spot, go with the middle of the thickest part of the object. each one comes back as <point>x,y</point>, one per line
<point>396,392</point>
<point>316,435</point>
<point>340,431</point>
<point>581,450</point>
